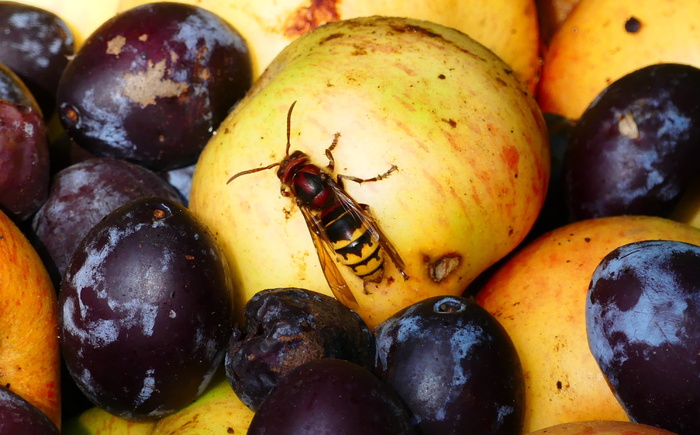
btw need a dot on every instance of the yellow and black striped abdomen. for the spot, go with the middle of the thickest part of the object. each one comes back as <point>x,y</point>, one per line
<point>357,246</point>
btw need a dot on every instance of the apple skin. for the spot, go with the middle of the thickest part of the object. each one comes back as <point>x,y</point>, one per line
<point>601,427</point>
<point>602,40</point>
<point>539,296</point>
<point>469,144</point>
<point>30,357</point>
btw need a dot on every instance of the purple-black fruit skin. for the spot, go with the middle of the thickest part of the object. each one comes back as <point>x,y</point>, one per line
<point>454,366</point>
<point>145,310</point>
<point>643,325</point>
<point>330,396</point>
<point>286,328</point>
<point>80,196</point>
<point>36,44</point>
<point>13,89</point>
<point>635,148</point>
<point>24,161</point>
<point>18,416</point>
<point>152,84</point>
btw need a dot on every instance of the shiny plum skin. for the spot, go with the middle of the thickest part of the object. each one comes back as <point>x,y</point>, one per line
<point>36,44</point>
<point>286,328</point>
<point>80,196</point>
<point>153,83</point>
<point>24,161</point>
<point>454,366</point>
<point>635,148</point>
<point>145,310</point>
<point>331,396</point>
<point>18,416</point>
<point>13,89</point>
<point>643,324</point>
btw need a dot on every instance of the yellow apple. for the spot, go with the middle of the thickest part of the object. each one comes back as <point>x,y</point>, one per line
<point>468,142</point>
<point>602,40</point>
<point>601,427</point>
<point>539,296</point>
<point>30,355</point>
<point>508,27</point>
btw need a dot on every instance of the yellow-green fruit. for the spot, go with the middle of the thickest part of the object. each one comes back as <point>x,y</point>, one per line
<point>468,141</point>
<point>218,410</point>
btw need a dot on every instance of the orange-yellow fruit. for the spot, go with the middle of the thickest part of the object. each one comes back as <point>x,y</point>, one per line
<point>539,296</point>
<point>603,40</point>
<point>601,427</point>
<point>29,349</point>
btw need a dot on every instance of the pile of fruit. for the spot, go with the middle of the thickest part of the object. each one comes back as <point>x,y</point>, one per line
<point>263,216</point>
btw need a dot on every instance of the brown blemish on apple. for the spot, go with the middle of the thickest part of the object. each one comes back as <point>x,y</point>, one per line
<point>115,45</point>
<point>314,14</point>
<point>144,87</point>
<point>633,25</point>
<point>442,268</point>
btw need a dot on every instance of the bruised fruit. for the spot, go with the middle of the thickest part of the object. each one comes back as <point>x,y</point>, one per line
<point>81,195</point>
<point>36,44</point>
<point>643,323</point>
<point>454,366</point>
<point>24,160</point>
<point>331,396</point>
<point>145,310</point>
<point>17,416</point>
<point>153,83</point>
<point>286,328</point>
<point>635,148</point>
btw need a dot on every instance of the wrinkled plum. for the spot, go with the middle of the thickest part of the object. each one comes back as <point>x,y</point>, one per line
<point>454,366</point>
<point>81,195</point>
<point>36,44</point>
<point>635,148</point>
<point>18,416</point>
<point>24,160</point>
<point>286,328</point>
<point>13,89</point>
<point>153,83</point>
<point>331,396</point>
<point>145,310</point>
<point>643,325</point>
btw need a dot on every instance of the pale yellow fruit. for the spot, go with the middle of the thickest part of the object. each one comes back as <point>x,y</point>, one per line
<point>82,16</point>
<point>603,40</point>
<point>469,144</point>
<point>508,27</point>
<point>29,348</point>
<point>539,296</point>
<point>218,410</point>
<point>601,427</point>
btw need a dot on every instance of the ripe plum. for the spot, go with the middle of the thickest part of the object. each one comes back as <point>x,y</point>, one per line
<point>636,147</point>
<point>454,366</point>
<point>643,324</point>
<point>286,328</point>
<point>153,83</point>
<point>145,310</point>
<point>18,416</point>
<point>80,196</point>
<point>334,397</point>
<point>36,44</point>
<point>24,160</point>
<point>13,89</point>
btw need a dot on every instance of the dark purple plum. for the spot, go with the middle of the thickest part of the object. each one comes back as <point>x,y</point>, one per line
<point>637,146</point>
<point>454,366</point>
<point>153,83</point>
<point>24,161</point>
<point>18,416</point>
<point>331,396</point>
<point>286,328</point>
<point>145,310</point>
<point>36,44</point>
<point>643,324</point>
<point>84,193</point>
<point>13,89</point>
